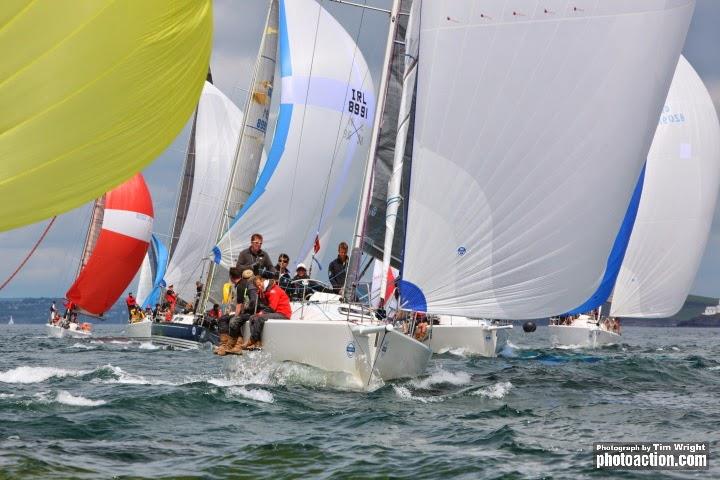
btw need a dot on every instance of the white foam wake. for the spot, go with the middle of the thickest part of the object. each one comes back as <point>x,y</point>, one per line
<point>405,394</point>
<point>256,394</point>
<point>495,391</point>
<point>26,374</point>
<point>441,376</point>
<point>77,401</point>
<point>121,376</point>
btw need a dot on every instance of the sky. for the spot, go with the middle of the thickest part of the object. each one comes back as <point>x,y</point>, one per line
<point>238,25</point>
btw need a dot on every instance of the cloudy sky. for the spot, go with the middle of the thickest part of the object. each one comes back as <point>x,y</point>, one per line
<point>238,25</point>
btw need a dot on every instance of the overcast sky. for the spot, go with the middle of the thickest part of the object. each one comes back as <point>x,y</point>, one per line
<point>238,25</point>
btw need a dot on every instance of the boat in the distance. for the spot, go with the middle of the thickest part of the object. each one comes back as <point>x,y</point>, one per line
<point>115,244</point>
<point>657,253</point>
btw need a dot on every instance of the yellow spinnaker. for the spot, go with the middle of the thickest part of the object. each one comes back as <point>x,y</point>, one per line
<point>91,91</point>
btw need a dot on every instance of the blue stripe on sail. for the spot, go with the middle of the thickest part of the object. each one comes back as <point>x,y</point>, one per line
<point>617,254</point>
<point>282,128</point>
<point>284,43</point>
<point>160,252</point>
<point>412,297</point>
<point>276,151</point>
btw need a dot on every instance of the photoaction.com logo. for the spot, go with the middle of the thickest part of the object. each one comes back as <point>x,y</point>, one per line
<point>652,455</point>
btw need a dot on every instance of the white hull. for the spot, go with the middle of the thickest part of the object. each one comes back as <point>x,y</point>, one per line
<point>320,335</point>
<point>474,337</point>
<point>58,332</point>
<point>584,335</point>
<point>139,329</point>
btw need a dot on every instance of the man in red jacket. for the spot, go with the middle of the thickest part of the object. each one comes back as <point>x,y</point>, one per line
<point>279,305</point>
<point>131,304</point>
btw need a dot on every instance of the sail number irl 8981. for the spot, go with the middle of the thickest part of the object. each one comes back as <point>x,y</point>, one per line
<point>357,104</point>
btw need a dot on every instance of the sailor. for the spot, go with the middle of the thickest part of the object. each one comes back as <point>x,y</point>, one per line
<point>230,326</point>
<point>53,312</point>
<point>279,308</point>
<point>171,299</point>
<point>131,303</point>
<point>284,274</point>
<point>338,268</point>
<point>254,257</point>
<point>198,294</point>
<point>299,290</point>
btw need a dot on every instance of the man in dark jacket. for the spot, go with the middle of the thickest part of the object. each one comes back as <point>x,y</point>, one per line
<point>255,258</point>
<point>338,268</point>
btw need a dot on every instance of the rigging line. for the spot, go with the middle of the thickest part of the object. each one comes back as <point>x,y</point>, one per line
<point>302,123</point>
<point>37,244</point>
<point>338,135</point>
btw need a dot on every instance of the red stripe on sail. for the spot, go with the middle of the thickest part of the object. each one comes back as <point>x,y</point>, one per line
<point>116,257</point>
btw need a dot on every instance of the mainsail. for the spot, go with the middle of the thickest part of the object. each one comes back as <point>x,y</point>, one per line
<point>215,136</point>
<point>126,91</point>
<point>120,248</point>
<point>677,204</point>
<point>500,222</point>
<point>320,142</point>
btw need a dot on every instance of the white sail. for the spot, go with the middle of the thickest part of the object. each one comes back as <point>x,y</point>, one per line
<point>145,280</point>
<point>677,203</point>
<point>522,110</point>
<point>320,142</point>
<point>216,132</point>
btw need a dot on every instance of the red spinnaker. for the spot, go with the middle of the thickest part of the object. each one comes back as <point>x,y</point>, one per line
<point>120,249</point>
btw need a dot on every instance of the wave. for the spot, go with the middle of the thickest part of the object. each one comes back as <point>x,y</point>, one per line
<point>26,374</point>
<point>77,401</point>
<point>441,377</point>
<point>405,394</point>
<point>256,394</point>
<point>495,391</point>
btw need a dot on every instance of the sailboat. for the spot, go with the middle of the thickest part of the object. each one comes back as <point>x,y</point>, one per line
<point>318,153</point>
<point>500,142</point>
<point>117,239</point>
<point>11,321</point>
<point>676,205</point>
<point>198,216</point>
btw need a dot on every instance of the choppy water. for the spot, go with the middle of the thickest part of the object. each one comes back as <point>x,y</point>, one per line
<point>87,409</point>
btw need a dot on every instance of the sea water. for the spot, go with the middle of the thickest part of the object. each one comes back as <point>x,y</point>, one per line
<point>90,408</point>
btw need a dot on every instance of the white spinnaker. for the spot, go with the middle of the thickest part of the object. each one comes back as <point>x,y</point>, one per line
<point>145,281</point>
<point>319,146</point>
<point>677,203</point>
<point>216,133</point>
<point>532,126</point>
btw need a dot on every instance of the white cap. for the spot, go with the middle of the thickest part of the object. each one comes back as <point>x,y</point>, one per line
<point>301,265</point>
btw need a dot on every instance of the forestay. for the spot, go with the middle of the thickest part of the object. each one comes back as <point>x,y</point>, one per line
<point>320,142</point>
<point>216,132</point>
<point>677,203</point>
<point>532,127</point>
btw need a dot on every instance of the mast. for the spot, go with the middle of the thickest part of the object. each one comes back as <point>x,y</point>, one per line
<point>394,199</point>
<point>252,134</point>
<point>365,197</point>
<point>96,219</point>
